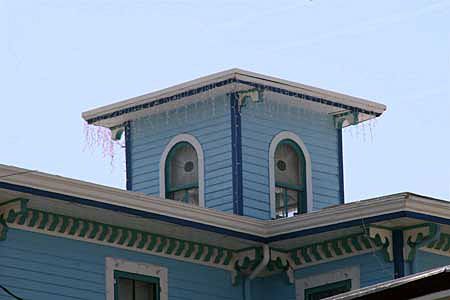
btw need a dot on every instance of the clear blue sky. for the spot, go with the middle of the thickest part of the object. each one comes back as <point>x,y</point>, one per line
<point>59,58</point>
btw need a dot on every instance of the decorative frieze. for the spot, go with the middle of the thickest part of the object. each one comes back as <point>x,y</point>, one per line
<point>415,237</point>
<point>71,227</point>
<point>424,236</point>
<point>16,214</point>
<point>8,210</point>
<point>331,249</point>
<point>383,236</point>
<point>246,260</point>
<point>440,245</point>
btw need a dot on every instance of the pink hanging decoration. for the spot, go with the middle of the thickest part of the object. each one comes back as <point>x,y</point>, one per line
<point>97,136</point>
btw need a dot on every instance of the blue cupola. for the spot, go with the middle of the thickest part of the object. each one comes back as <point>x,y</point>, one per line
<point>239,142</point>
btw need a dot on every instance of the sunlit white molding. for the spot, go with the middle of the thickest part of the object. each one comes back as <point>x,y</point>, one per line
<point>236,78</point>
<point>287,135</point>
<point>113,264</point>
<point>184,137</point>
<point>352,273</point>
<point>357,210</point>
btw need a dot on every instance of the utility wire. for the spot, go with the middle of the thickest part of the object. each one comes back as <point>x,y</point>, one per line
<point>10,293</point>
<point>18,173</point>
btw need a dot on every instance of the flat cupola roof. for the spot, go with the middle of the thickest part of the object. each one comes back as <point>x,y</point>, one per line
<point>233,80</point>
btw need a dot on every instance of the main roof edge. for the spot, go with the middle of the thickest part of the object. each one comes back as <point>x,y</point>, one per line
<point>202,218</point>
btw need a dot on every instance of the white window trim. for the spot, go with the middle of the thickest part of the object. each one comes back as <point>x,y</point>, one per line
<point>162,165</point>
<point>287,135</point>
<point>351,273</point>
<point>113,264</point>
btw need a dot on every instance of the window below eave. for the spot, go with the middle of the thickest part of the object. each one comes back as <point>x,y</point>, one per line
<point>181,171</point>
<point>290,180</point>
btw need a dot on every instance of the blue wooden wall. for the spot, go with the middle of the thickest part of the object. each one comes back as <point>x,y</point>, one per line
<point>261,121</point>
<point>426,260</point>
<point>209,122</point>
<point>272,287</point>
<point>40,267</point>
<point>373,268</point>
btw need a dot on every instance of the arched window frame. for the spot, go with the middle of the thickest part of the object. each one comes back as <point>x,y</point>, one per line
<point>186,138</point>
<point>280,137</point>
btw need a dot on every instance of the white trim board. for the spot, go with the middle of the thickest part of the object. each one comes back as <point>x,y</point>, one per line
<point>235,73</point>
<point>287,135</point>
<point>184,137</point>
<point>263,228</point>
<point>302,284</point>
<point>112,264</point>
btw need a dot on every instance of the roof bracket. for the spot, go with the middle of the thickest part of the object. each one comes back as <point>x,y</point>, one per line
<point>346,118</point>
<point>255,95</point>
<point>9,210</point>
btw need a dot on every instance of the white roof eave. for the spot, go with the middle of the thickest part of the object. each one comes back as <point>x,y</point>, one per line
<point>260,228</point>
<point>237,74</point>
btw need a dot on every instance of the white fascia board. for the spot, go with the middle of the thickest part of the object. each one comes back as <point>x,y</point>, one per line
<point>261,228</point>
<point>133,200</point>
<point>313,91</point>
<point>205,80</point>
<point>338,214</point>
<point>428,205</point>
<point>229,74</point>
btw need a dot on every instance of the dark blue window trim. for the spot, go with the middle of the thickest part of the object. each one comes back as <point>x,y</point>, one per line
<point>236,155</point>
<point>341,166</point>
<point>220,230</point>
<point>399,261</point>
<point>129,177</point>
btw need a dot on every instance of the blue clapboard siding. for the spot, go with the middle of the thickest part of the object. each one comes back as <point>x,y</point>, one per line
<point>260,123</point>
<point>426,260</point>
<point>40,267</point>
<point>210,123</point>
<point>273,287</point>
<point>373,268</point>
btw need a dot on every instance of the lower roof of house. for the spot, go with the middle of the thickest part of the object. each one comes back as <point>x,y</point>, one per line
<point>99,203</point>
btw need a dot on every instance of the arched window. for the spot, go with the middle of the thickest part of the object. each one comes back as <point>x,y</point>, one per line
<point>181,171</point>
<point>290,176</point>
<point>182,174</point>
<point>290,181</point>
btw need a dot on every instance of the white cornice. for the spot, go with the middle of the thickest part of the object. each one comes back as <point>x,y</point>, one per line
<point>225,75</point>
<point>260,228</point>
<point>133,200</point>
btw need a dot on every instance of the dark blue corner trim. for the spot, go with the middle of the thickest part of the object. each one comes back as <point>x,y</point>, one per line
<point>236,155</point>
<point>131,211</point>
<point>129,176</point>
<point>397,247</point>
<point>341,165</point>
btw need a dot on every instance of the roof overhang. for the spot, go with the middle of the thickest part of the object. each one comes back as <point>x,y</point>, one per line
<point>431,284</point>
<point>63,195</point>
<point>115,115</point>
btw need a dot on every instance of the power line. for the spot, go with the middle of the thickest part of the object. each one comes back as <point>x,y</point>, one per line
<point>10,293</point>
<point>18,173</point>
